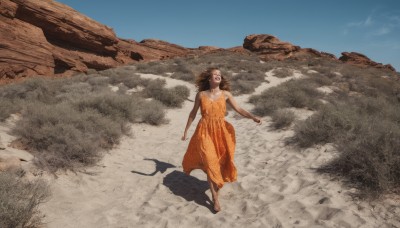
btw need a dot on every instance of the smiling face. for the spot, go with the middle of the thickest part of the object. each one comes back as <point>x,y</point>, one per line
<point>215,77</point>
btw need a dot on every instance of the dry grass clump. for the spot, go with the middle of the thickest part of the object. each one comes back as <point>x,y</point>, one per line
<point>184,75</point>
<point>283,72</point>
<point>299,93</point>
<point>282,118</point>
<point>366,132</point>
<point>156,67</point>
<point>19,200</point>
<point>246,82</point>
<point>326,125</point>
<point>8,107</point>
<point>171,97</point>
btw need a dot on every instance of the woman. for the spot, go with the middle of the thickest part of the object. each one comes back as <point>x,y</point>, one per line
<point>212,145</point>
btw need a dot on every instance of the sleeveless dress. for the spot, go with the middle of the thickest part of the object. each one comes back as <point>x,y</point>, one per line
<point>212,145</point>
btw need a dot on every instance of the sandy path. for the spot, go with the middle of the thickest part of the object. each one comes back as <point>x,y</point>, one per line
<point>276,185</point>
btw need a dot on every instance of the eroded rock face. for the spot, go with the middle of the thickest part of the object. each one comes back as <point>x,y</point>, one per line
<point>20,53</point>
<point>269,47</point>
<point>362,60</point>
<point>49,38</point>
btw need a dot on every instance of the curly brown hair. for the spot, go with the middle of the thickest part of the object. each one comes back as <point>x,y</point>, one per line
<point>203,84</point>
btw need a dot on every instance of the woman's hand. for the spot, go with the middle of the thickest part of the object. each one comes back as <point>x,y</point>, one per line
<point>256,119</point>
<point>184,137</point>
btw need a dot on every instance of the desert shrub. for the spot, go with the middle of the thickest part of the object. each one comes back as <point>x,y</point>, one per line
<point>268,106</point>
<point>366,133</point>
<point>8,107</point>
<point>320,79</point>
<point>181,91</point>
<point>283,72</point>
<point>184,75</point>
<point>155,88</point>
<point>250,75</point>
<point>246,82</point>
<point>293,93</point>
<point>37,89</point>
<point>243,87</point>
<point>19,200</point>
<point>171,97</point>
<point>369,158</point>
<point>282,118</point>
<point>156,67</point>
<point>99,80</point>
<point>65,141</point>
<point>130,81</point>
<point>117,107</point>
<point>325,125</point>
<point>152,112</point>
<point>73,134</point>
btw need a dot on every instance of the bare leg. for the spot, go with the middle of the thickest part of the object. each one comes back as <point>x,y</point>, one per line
<point>214,192</point>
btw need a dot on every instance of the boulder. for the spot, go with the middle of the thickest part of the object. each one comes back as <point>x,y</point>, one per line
<point>269,47</point>
<point>358,59</point>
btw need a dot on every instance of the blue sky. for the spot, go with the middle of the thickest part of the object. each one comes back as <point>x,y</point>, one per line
<point>370,27</point>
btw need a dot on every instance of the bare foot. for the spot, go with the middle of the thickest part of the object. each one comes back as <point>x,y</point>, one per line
<point>217,207</point>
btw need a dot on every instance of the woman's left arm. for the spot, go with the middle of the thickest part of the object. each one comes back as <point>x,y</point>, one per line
<point>240,110</point>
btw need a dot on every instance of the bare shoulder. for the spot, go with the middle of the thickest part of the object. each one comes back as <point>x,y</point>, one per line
<point>227,93</point>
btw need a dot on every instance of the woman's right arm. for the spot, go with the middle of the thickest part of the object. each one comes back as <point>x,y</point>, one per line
<point>192,115</point>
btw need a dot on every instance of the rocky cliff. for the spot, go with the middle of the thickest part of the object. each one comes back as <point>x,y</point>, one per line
<point>49,38</point>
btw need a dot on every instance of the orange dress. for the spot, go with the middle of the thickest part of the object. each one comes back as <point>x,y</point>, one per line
<point>212,145</point>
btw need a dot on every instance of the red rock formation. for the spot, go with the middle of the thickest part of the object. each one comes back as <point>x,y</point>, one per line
<point>362,60</point>
<point>239,49</point>
<point>20,54</point>
<point>269,47</point>
<point>49,38</point>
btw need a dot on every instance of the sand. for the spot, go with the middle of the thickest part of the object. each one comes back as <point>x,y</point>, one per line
<point>140,182</point>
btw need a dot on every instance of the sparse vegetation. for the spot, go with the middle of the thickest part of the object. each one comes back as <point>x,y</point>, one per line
<point>248,69</point>
<point>67,123</point>
<point>364,127</point>
<point>19,200</point>
<point>282,118</point>
<point>366,132</point>
<point>246,82</point>
<point>283,72</point>
<point>299,93</point>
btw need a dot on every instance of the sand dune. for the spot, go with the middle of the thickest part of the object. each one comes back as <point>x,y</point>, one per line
<point>140,183</point>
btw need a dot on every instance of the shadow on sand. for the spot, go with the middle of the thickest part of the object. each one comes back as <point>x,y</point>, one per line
<point>188,187</point>
<point>160,167</point>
